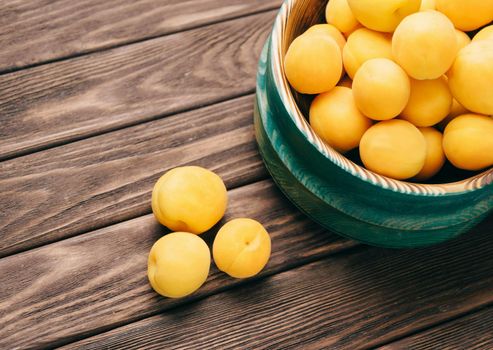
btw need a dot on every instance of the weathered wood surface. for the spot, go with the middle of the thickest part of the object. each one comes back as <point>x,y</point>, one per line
<point>95,182</point>
<point>116,81</point>
<point>471,332</point>
<point>98,280</point>
<point>347,301</point>
<point>73,99</point>
<point>36,31</point>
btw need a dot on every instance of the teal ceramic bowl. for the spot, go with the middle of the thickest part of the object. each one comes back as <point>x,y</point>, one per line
<point>334,190</point>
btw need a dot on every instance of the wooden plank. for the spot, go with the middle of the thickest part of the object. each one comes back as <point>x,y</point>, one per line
<point>89,283</point>
<point>471,332</point>
<point>60,102</point>
<point>35,31</point>
<point>348,301</point>
<point>95,182</point>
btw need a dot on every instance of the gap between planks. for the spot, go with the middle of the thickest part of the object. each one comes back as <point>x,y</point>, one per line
<point>111,176</point>
<point>241,283</point>
<point>97,281</point>
<point>56,144</point>
<point>75,99</point>
<point>478,327</point>
<point>116,222</point>
<point>84,42</point>
<point>359,300</point>
<point>116,129</point>
<point>387,344</point>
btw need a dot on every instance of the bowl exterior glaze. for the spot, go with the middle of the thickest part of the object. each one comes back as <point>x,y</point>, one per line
<point>344,197</point>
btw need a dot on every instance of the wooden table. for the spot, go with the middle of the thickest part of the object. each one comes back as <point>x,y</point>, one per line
<point>97,100</point>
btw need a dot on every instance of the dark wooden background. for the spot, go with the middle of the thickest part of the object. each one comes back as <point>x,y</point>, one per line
<point>97,100</point>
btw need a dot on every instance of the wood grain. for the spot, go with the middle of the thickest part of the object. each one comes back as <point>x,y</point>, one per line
<point>88,184</point>
<point>347,301</point>
<point>470,332</point>
<point>35,31</point>
<point>73,99</point>
<point>72,288</point>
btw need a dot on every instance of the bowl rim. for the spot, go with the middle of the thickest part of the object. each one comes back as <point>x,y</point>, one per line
<point>475,182</point>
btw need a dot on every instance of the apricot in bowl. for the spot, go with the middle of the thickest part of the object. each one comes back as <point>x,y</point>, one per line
<point>335,189</point>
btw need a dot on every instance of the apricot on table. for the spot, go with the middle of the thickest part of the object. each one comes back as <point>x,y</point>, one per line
<point>190,199</point>
<point>178,264</point>
<point>241,248</point>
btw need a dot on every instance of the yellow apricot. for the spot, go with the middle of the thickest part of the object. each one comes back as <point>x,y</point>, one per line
<point>484,34</point>
<point>381,89</point>
<point>364,44</point>
<point>330,30</point>
<point>339,14</point>
<point>471,77</point>
<point>241,248</point>
<point>394,148</point>
<point>382,15</point>
<point>468,141</point>
<point>427,5</point>
<point>189,198</point>
<point>345,82</point>
<point>348,34</point>
<point>456,110</point>
<point>467,14</point>
<point>462,39</point>
<point>336,119</point>
<point>178,264</point>
<point>429,103</point>
<point>435,158</point>
<point>425,44</point>
<point>313,64</point>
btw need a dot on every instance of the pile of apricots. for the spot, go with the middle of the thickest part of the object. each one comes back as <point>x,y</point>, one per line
<point>408,82</point>
<point>189,201</point>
